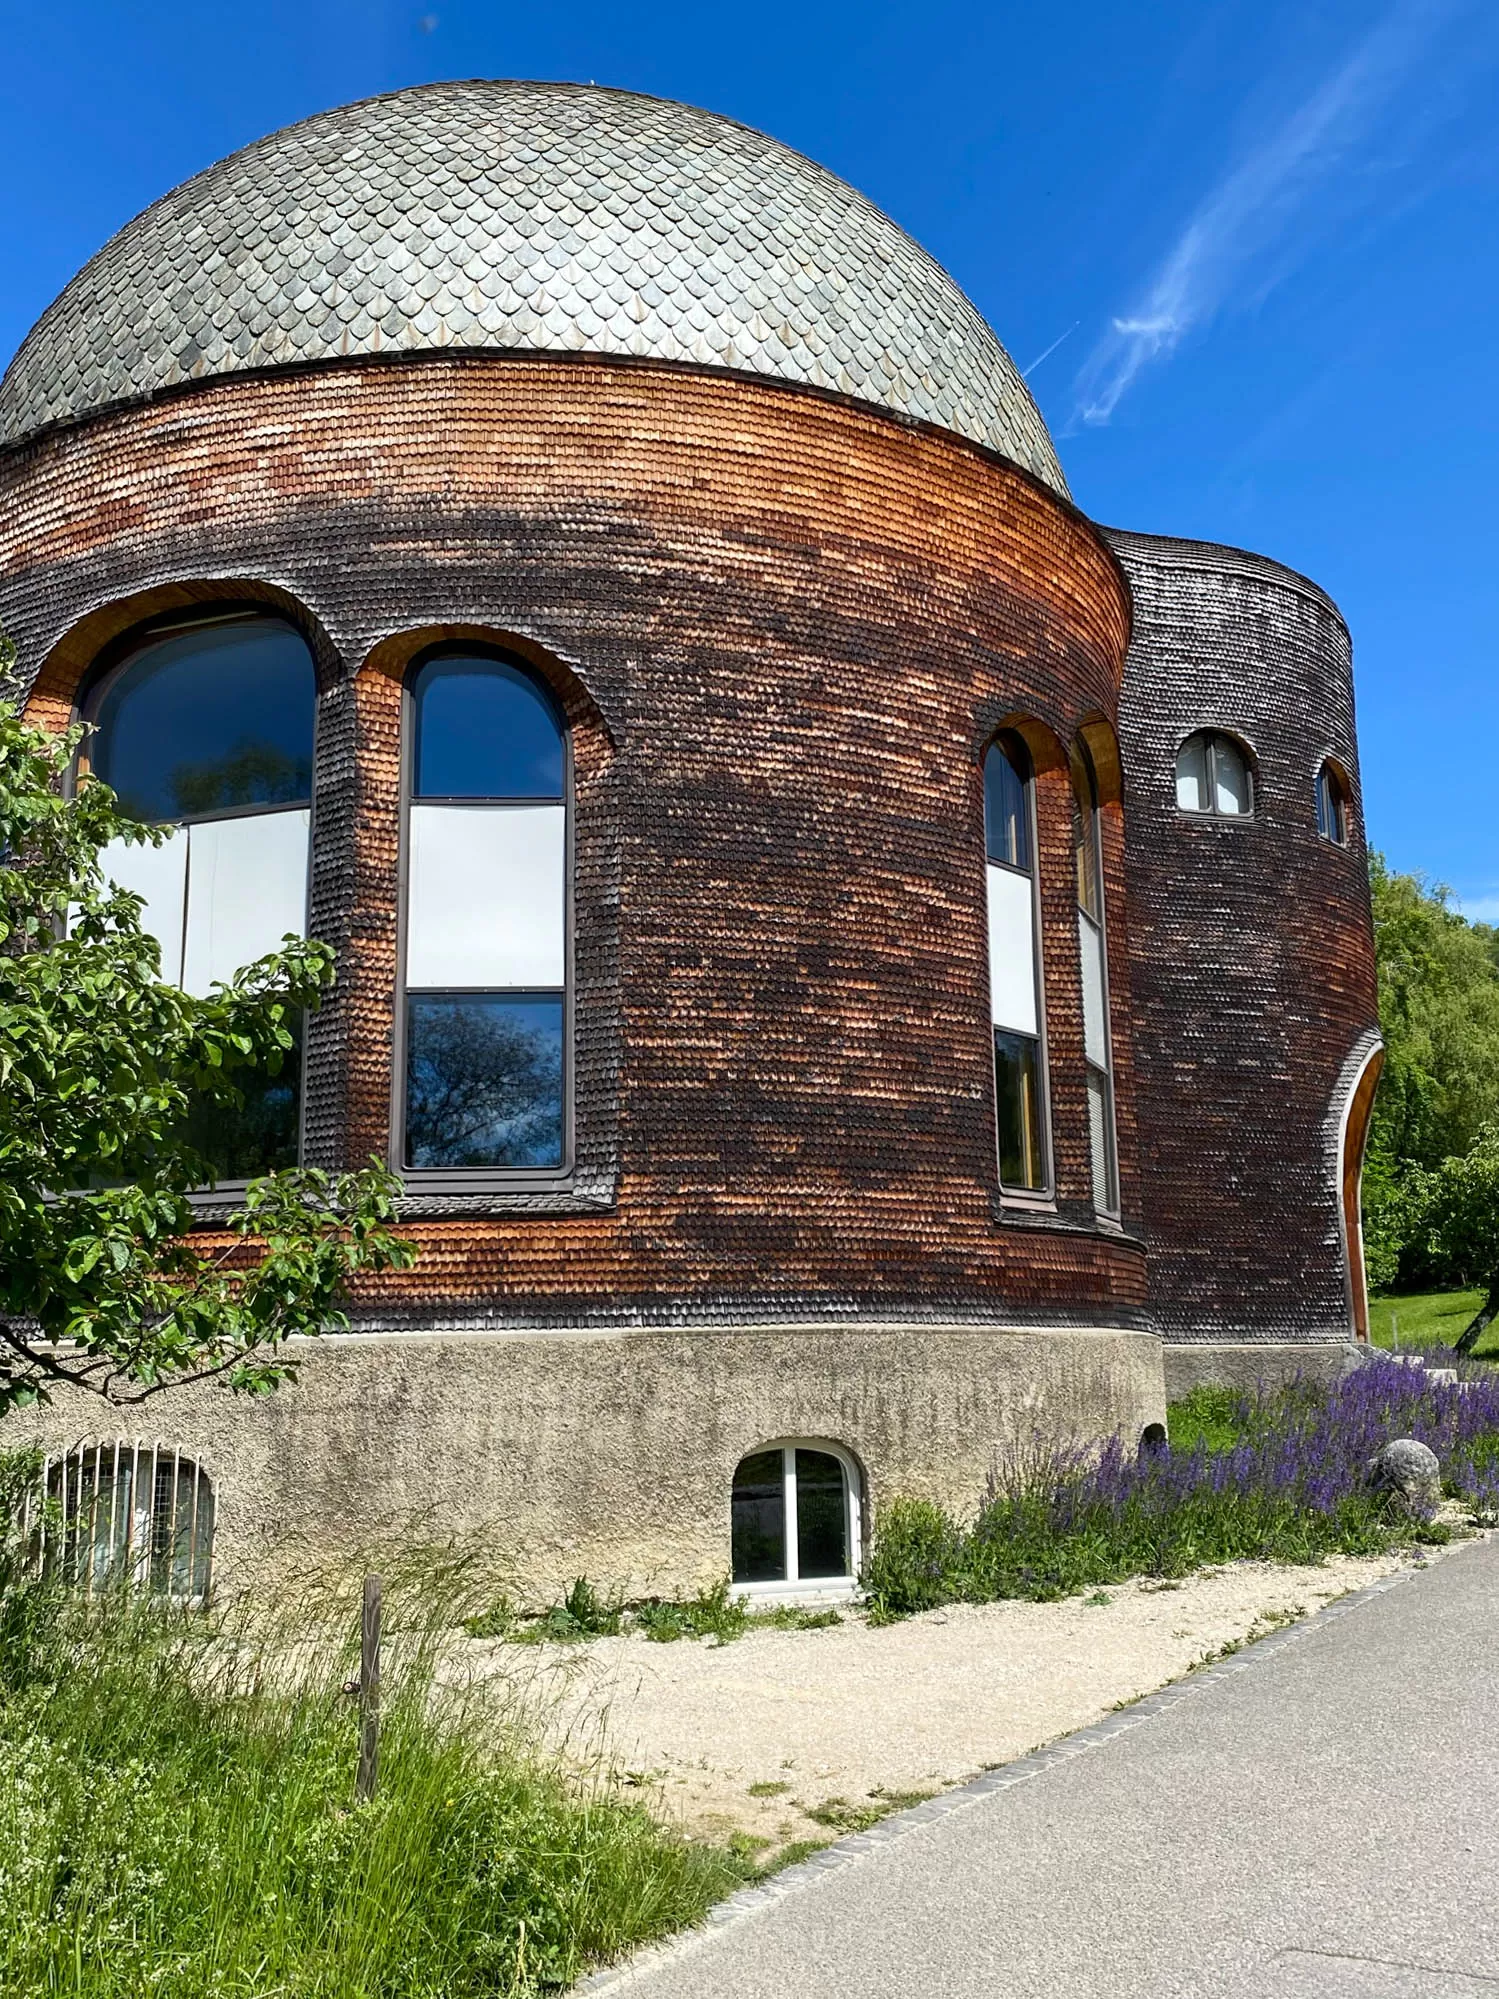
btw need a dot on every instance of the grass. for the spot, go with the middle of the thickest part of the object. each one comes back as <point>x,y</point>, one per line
<point>1275,1477</point>
<point>177,1818</point>
<point>586,1612</point>
<point>1430,1319</point>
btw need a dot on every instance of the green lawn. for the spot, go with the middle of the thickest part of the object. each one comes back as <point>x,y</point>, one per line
<point>1429,1319</point>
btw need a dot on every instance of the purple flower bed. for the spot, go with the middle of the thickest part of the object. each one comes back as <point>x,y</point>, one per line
<point>1279,1477</point>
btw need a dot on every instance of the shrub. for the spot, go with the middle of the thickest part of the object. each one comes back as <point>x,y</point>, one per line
<point>1278,1477</point>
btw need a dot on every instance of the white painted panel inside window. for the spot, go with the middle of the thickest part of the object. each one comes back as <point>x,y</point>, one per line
<point>1230,780</point>
<point>1192,775</point>
<point>160,875</point>
<point>1095,1025</point>
<point>1012,951</point>
<point>246,888</point>
<point>485,896</point>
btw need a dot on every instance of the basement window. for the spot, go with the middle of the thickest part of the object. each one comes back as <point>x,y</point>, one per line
<point>128,1515</point>
<point>795,1518</point>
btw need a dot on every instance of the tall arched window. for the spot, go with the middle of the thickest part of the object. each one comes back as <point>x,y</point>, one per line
<point>1213,776</point>
<point>208,725</point>
<point>1332,805</point>
<point>1015,967</point>
<point>1093,944</point>
<point>486,919</point>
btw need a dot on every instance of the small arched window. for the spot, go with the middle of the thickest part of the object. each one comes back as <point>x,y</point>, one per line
<point>1015,966</point>
<point>1332,805</point>
<point>486,928</point>
<point>208,726</point>
<point>795,1516</point>
<point>129,1514</point>
<point>1213,776</point>
<point>1093,946</point>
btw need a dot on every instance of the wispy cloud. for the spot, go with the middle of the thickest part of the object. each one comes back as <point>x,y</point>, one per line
<point>1480,908</point>
<point>1265,206</point>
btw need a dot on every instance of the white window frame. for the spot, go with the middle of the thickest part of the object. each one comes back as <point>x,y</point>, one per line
<point>791,1586</point>
<point>1042,1197</point>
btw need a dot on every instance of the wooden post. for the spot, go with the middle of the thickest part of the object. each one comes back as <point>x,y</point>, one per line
<point>369,1690</point>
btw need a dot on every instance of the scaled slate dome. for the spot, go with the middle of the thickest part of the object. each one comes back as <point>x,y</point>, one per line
<point>534,216</point>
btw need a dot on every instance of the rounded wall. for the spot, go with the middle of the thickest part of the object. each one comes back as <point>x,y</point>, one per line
<point>784,629</point>
<point>611,1454</point>
<point>1252,951</point>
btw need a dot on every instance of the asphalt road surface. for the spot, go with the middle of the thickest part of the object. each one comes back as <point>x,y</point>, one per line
<point>1317,1816</point>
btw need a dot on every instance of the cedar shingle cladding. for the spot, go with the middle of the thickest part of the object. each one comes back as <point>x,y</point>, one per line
<point>784,628</point>
<point>1253,956</point>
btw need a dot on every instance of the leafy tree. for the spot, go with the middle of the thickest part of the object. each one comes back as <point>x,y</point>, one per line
<point>1439,1013</point>
<point>104,1282</point>
<point>1462,1225</point>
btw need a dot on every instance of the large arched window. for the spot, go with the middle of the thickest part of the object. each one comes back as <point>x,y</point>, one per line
<point>1332,805</point>
<point>486,920</point>
<point>1093,944</point>
<point>208,725</point>
<point>1213,776</point>
<point>795,1516</point>
<point>1015,967</point>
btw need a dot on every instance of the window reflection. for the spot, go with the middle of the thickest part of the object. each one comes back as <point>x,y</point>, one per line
<point>212,718</point>
<point>483,1080</point>
<point>484,729</point>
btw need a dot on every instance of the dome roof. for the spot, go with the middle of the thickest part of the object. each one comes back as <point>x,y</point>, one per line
<point>523,216</point>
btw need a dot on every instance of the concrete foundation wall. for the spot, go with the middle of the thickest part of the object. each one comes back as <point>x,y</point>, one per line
<point>1251,1364</point>
<point>611,1454</point>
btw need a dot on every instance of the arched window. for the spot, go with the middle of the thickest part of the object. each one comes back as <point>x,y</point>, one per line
<point>1093,944</point>
<point>795,1516</point>
<point>208,725</point>
<point>486,919</point>
<point>129,1514</point>
<point>1015,967</point>
<point>1213,776</point>
<point>1332,805</point>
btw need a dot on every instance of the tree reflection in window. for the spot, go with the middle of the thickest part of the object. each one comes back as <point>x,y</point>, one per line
<point>216,717</point>
<point>484,1080</point>
<point>208,724</point>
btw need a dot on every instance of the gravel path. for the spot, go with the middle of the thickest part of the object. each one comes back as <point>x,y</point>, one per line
<point>784,1736</point>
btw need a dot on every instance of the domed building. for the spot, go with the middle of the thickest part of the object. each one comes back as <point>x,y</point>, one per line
<point>854,963</point>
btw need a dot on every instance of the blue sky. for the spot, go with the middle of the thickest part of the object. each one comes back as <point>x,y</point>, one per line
<point>1245,248</point>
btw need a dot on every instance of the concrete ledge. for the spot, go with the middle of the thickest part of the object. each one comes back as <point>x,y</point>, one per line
<point>1251,1364</point>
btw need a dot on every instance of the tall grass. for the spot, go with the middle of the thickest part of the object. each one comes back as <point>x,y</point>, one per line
<point>177,1818</point>
<point>1279,1477</point>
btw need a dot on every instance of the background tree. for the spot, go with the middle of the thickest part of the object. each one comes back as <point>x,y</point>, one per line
<point>104,1282</point>
<point>1461,1225</point>
<point>1439,1013</point>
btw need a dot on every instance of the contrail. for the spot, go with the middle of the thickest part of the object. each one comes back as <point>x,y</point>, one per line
<point>1046,353</point>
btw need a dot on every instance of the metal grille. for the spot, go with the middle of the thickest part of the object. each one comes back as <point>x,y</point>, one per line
<point>128,1514</point>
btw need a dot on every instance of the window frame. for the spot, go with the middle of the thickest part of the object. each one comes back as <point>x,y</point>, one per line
<point>443,1180</point>
<point>1211,736</point>
<point>1044,1196</point>
<point>789,1586</point>
<point>112,660</point>
<point>1330,776</point>
<point>69,1539</point>
<point>1112,1208</point>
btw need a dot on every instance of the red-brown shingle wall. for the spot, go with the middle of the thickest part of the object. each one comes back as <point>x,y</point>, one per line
<point>784,629</point>
<point>1252,945</point>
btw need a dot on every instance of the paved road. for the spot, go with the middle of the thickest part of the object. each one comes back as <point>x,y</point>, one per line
<point>1318,1819</point>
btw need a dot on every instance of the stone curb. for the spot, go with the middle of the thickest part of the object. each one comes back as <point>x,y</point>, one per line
<point>858,1846</point>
